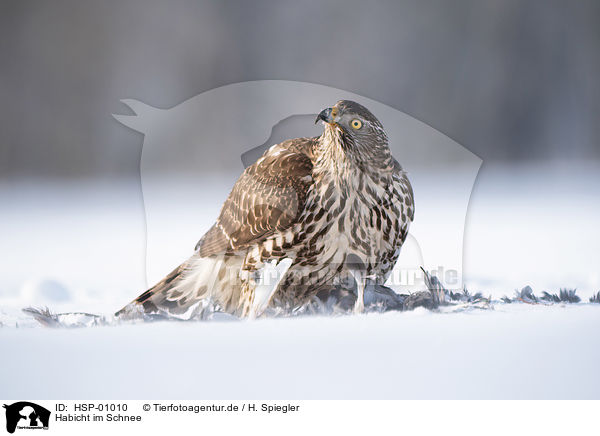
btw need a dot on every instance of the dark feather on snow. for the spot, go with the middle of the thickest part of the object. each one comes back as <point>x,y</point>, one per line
<point>466,296</point>
<point>526,295</point>
<point>441,296</point>
<point>595,298</point>
<point>564,296</point>
<point>437,290</point>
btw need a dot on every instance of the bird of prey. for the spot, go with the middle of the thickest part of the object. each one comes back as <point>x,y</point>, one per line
<point>316,211</point>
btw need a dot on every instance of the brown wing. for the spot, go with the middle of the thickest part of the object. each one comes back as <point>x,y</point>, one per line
<point>268,196</point>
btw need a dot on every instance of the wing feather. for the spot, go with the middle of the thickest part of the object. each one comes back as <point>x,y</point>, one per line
<point>268,196</point>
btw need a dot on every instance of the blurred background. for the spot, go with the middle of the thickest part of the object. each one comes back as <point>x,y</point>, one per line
<point>511,80</point>
<point>515,82</point>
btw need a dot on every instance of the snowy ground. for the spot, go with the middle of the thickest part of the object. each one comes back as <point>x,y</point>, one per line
<point>516,351</point>
<point>81,248</point>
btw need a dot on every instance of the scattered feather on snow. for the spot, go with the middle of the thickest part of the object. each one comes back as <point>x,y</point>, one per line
<point>71,319</point>
<point>564,296</point>
<point>526,295</point>
<point>336,300</point>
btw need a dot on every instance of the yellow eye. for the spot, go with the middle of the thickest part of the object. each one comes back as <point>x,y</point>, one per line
<point>356,124</point>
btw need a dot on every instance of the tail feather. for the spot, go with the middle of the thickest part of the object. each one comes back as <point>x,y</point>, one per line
<point>201,285</point>
<point>188,287</point>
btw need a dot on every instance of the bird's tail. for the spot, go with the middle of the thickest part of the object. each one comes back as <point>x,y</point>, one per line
<point>187,290</point>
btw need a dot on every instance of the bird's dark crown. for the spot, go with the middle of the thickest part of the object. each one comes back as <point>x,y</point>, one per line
<point>352,107</point>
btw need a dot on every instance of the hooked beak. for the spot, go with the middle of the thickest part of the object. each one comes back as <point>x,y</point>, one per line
<point>325,115</point>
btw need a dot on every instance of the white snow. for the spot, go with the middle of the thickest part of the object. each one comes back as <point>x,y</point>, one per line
<point>515,351</point>
<point>81,248</point>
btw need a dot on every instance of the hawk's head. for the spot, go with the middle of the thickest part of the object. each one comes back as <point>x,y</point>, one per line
<point>355,128</point>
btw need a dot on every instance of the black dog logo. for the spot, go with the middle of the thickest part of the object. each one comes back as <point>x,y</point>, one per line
<point>33,416</point>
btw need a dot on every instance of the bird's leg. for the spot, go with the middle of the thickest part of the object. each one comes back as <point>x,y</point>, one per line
<point>359,306</point>
<point>265,285</point>
<point>357,269</point>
